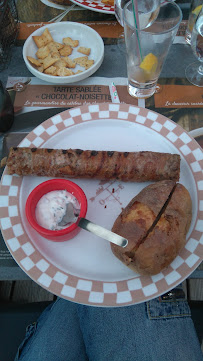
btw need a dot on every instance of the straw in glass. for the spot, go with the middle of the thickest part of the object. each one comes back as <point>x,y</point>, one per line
<point>137,26</point>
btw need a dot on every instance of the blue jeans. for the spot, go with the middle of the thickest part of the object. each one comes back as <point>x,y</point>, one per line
<point>158,330</point>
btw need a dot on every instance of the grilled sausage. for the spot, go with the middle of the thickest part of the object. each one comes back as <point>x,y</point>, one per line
<point>103,165</point>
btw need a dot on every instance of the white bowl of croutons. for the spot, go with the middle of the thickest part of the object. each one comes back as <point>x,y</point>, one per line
<point>63,53</point>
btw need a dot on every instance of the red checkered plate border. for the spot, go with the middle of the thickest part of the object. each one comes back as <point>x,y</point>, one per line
<point>84,269</point>
<point>95,6</point>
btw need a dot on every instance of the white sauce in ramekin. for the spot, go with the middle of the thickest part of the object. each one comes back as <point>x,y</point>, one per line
<point>51,208</point>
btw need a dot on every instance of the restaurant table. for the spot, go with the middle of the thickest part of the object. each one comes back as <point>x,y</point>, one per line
<point>113,66</point>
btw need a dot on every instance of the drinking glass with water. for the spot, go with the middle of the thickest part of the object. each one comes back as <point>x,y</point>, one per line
<point>194,71</point>
<point>195,8</point>
<point>148,47</point>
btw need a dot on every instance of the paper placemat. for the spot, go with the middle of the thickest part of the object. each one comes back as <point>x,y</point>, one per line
<point>106,29</point>
<point>178,96</point>
<point>32,93</point>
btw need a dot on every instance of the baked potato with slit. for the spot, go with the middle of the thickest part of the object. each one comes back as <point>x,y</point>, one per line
<point>155,222</point>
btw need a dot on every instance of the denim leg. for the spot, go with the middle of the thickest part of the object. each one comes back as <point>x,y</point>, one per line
<point>56,336</point>
<point>153,331</point>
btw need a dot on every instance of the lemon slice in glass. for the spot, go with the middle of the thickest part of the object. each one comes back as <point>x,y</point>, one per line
<point>149,63</point>
<point>197,10</point>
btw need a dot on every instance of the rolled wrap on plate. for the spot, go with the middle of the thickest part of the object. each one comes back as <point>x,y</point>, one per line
<point>104,165</point>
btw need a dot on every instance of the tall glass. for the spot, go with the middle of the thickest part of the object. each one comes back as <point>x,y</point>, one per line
<point>147,49</point>
<point>194,71</point>
<point>195,8</point>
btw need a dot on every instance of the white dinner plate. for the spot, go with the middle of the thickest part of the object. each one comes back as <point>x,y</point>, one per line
<point>87,37</point>
<point>95,5</point>
<point>84,269</point>
<point>55,5</point>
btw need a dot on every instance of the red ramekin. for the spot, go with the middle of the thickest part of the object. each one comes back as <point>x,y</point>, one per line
<point>53,185</point>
